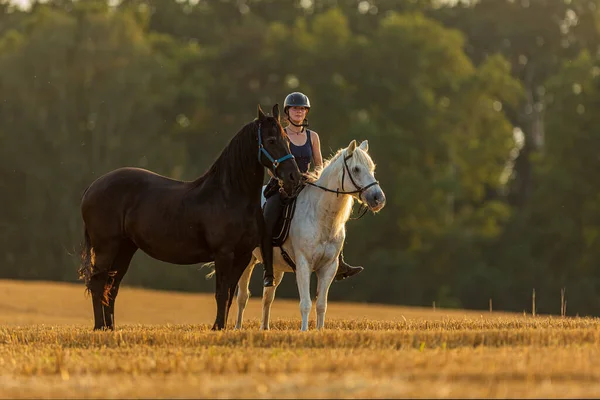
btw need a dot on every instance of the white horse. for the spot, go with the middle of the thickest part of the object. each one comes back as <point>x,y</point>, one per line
<point>318,230</point>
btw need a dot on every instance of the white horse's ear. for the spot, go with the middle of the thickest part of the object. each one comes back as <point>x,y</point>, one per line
<point>364,146</point>
<point>351,147</point>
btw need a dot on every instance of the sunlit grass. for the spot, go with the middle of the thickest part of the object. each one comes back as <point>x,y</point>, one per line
<point>415,353</point>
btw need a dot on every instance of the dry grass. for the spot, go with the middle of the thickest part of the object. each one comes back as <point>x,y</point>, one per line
<point>47,349</point>
<point>62,303</point>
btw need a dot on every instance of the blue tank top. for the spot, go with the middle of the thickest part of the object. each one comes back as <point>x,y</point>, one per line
<point>302,154</point>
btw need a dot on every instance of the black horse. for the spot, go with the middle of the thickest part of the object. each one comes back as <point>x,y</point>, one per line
<point>216,218</point>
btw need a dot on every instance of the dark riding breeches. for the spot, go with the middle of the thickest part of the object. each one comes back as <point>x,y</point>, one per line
<point>272,211</point>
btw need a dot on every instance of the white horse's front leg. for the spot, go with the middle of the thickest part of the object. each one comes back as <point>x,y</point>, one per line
<point>243,293</point>
<point>303,272</point>
<point>267,300</point>
<point>325,276</point>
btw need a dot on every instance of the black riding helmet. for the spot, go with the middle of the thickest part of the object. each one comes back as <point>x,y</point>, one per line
<point>296,99</point>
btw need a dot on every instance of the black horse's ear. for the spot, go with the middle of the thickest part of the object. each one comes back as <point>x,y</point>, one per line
<point>261,114</point>
<point>276,111</point>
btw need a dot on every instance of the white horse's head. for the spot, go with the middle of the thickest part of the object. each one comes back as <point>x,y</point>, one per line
<point>359,176</point>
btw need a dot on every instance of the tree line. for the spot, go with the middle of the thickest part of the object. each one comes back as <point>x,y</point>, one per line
<point>480,117</point>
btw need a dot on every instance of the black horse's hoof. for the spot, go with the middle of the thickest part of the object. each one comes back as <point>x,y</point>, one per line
<point>269,281</point>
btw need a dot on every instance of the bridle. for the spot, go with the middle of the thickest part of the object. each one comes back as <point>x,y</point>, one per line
<point>358,190</point>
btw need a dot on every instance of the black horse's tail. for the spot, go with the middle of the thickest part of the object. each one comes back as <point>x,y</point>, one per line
<point>87,260</point>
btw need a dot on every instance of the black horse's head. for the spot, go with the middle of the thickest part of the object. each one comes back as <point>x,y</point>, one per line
<point>274,150</point>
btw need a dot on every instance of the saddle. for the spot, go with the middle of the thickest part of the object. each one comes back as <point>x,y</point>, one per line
<point>281,230</point>
<point>284,222</point>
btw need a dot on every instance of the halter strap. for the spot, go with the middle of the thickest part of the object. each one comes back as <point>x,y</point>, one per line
<point>261,149</point>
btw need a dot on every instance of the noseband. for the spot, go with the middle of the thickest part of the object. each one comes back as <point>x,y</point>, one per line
<point>261,149</point>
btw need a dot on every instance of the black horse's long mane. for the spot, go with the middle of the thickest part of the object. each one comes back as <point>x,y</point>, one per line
<point>237,158</point>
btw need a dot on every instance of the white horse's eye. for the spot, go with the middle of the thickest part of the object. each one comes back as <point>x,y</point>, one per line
<point>355,169</point>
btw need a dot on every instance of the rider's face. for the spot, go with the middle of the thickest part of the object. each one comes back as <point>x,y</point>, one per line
<point>297,114</point>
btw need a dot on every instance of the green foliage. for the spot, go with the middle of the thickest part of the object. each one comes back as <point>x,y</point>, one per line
<point>437,91</point>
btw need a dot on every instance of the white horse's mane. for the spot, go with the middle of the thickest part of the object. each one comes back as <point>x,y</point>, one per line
<point>359,156</point>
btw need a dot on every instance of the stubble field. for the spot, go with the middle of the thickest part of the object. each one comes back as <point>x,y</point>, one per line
<point>163,347</point>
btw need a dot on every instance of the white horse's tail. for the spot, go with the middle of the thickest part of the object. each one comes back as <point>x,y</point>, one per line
<point>209,265</point>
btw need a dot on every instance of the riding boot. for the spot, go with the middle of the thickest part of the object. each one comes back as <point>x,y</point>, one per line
<point>272,211</point>
<point>345,270</point>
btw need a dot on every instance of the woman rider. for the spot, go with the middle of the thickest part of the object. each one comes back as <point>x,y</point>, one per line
<point>304,146</point>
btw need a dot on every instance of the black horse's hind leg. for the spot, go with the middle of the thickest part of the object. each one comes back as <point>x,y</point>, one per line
<point>228,270</point>
<point>97,283</point>
<point>126,251</point>
<point>104,257</point>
